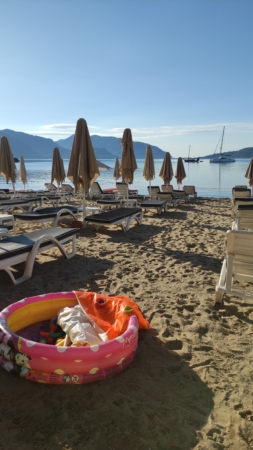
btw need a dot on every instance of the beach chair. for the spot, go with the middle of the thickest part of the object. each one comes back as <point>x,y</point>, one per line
<point>18,203</point>
<point>158,205</point>
<point>67,188</point>
<point>119,216</point>
<point>240,192</point>
<point>46,215</point>
<point>97,192</point>
<point>190,191</point>
<point>235,202</point>
<point>237,265</point>
<point>24,248</point>
<point>167,188</point>
<point>124,192</point>
<point>180,195</point>
<point>169,197</point>
<point>243,219</point>
<point>153,191</point>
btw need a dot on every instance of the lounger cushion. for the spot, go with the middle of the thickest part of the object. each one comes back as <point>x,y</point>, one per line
<point>109,202</point>
<point>45,213</point>
<point>245,207</point>
<point>153,204</point>
<point>16,245</point>
<point>112,216</point>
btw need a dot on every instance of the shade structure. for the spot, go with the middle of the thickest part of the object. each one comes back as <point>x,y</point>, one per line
<point>149,167</point>
<point>128,161</point>
<point>180,172</point>
<point>116,172</point>
<point>83,167</point>
<point>166,172</point>
<point>7,164</point>
<point>249,174</point>
<point>22,174</point>
<point>58,171</point>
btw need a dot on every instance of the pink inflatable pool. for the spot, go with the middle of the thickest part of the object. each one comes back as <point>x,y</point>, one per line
<point>59,365</point>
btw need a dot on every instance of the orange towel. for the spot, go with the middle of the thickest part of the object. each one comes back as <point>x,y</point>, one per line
<point>110,313</point>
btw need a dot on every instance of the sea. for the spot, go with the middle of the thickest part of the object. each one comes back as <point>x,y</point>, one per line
<point>210,180</point>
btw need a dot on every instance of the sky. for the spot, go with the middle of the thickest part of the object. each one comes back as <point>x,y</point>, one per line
<point>174,71</point>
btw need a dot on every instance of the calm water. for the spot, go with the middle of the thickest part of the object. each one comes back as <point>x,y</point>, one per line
<point>211,180</point>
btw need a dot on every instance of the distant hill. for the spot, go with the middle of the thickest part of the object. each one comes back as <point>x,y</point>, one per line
<point>32,147</point>
<point>237,154</point>
<point>113,146</point>
<point>36,147</point>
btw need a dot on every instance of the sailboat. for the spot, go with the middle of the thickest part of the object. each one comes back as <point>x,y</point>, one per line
<point>223,158</point>
<point>191,159</point>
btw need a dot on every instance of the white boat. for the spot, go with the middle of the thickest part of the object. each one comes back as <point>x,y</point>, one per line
<point>223,158</point>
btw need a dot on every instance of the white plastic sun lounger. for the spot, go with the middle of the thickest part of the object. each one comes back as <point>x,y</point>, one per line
<point>46,215</point>
<point>237,265</point>
<point>158,205</point>
<point>243,218</point>
<point>118,216</point>
<point>24,248</point>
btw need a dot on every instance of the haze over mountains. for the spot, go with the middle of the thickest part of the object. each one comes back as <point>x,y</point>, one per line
<point>106,147</point>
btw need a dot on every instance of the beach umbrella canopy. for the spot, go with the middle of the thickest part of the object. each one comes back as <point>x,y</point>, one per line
<point>149,167</point>
<point>128,161</point>
<point>58,172</point>
<point>116,172</point>
<point>249,174</point>
<point>7,164</point>
<point>166,172</point>
<point>83,167</point>
<point>22,174</point>
<point>180,172</point>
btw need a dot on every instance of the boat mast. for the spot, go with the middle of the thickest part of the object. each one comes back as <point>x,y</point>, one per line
<point>222,140</point>
<point>189,152</point>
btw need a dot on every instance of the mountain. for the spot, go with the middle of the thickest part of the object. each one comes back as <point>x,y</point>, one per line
<point>36,147</point>
<point>32,147</point>
<point>237,154</point>
<point>113,146</point>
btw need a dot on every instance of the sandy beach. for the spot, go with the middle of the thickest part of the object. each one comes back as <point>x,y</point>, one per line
<point>189,386</point>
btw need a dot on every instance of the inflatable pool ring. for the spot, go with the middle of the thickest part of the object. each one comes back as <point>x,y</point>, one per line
<point>58,364</point>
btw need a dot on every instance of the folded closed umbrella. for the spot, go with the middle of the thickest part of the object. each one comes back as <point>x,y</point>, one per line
<point>149,167</point>
<point>22,174</point>
<point>180,172</point>
<point>166,172</point>
<point>116,172</point>
<point>249,175</point>
<point>58,171</point>
<point>7,164</point>
<point>128,161</point>
<point>83,167</point>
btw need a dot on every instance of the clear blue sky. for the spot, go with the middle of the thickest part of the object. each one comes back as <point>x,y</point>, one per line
<point>174,71</point>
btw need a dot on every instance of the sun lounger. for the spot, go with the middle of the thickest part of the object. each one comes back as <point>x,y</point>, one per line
<point>123,191</point>
<point>24,248</point>
<point>153,191</point>
<point>17,203</point>
<point>190,191</point>
<point>97,192</point>
<point>109,203</point>
<point>158,205</point>
<point>243,219</point>
<point>119,216</point>
<point>46,215</point>
<point>167,188</point>
<point>169,198</point>
<point>237,265</point>
<point>240,192</point>
<point>181,196</point>
<point>240,201</point>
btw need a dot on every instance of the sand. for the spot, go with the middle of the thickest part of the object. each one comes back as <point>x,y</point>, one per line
<point>189,386</point>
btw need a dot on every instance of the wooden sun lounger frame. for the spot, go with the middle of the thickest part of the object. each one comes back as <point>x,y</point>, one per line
<point>44,242</point>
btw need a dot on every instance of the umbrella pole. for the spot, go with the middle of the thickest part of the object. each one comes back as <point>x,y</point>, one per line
<point>252,190</point>
<point>84,205</point>
<point>150,189</point>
